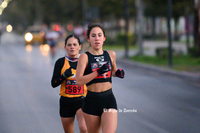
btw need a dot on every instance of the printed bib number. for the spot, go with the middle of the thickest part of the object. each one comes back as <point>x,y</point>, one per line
<point>72,89</point>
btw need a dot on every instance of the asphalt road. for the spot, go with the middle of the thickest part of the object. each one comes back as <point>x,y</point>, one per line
<point>148,102</point>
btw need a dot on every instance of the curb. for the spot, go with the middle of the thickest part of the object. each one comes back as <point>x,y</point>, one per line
<point>184,75</point>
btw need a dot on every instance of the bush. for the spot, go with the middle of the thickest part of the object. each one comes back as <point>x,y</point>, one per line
<point>163,53</point>
<point>132,38</point>
<point>155,37</point>
<point>110,41</point>
<point>194,52</point>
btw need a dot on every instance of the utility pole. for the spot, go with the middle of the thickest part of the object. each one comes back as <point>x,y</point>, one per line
<point>197,24</point>
<point>169,12</point>
<point>126,15</point>
<point>187,29</point>
<point>139,6</point>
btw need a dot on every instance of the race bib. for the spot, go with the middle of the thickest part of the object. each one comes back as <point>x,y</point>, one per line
<point>72,89</point>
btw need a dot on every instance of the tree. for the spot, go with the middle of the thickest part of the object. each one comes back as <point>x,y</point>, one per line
<point>156,8</point>
<point>179,8</point>
<point>140,8</point>
<point>42,11</point>
<point>16,14</point>
<point>197,26</point>
<point>126,16</point>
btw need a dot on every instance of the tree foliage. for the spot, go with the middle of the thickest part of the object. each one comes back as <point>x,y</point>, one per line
<point>159,7</point>
<point>28,12</point>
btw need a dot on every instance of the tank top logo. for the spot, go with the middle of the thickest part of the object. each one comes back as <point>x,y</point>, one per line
<point>96,66</point>
<point>99,59</point>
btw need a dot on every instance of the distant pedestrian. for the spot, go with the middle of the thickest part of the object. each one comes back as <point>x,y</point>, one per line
<point>52,39</point>
<point>45,30</point>
<point>79,31</point>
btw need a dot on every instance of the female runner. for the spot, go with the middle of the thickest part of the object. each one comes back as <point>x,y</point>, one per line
<point>95,68</point>
<point>71,95</point>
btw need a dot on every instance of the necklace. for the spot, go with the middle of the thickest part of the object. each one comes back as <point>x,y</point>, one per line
<point>72,59</point>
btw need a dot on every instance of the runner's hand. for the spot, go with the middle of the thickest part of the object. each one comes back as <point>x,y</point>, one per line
<point>104,68</point>
<point>68,73</point>
<point>120,73</point>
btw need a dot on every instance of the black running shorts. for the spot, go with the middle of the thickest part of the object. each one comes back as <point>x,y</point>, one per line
<point>69,106</point>
<point>95,103</point>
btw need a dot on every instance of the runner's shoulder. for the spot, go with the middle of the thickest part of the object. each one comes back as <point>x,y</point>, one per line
<point>83,58</point>
<point>111,53</point>
<point>60,61</point>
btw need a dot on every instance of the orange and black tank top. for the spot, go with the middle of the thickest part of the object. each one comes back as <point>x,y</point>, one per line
<point>94,63</point>
<point>68,86</point>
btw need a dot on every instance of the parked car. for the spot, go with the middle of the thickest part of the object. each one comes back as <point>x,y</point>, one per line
<point>34,35</point>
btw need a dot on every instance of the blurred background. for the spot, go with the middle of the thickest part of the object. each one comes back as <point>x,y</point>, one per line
<point>21,14</point>
<point>127,22</point>
<point>143,33</point>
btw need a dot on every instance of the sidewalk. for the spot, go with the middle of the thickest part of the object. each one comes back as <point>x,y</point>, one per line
<point>194,77</point>
<point>150,50</point>
<point>152,45</point>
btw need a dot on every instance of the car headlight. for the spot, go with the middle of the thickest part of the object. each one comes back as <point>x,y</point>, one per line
<point>28,37</point>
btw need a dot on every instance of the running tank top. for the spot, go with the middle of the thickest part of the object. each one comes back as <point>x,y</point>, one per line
<point>68,87</point>
<point>94,63</point>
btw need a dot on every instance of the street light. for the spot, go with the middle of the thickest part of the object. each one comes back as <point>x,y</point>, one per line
<point>9,28</point>
<point>140,8</point>
<point>3,5</point>
<point>169,12</point>
<point>126,15</point>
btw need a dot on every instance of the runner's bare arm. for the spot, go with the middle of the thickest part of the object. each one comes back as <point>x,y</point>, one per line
<point>113,60</point>
<point>116,72</point>
<point>82,79</point>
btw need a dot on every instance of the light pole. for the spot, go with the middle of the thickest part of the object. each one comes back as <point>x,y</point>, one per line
<point>126,15</point>
<point>139,6</point>
<point>197,25</point>
<point>169,12</point>
<point>187,29</point>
